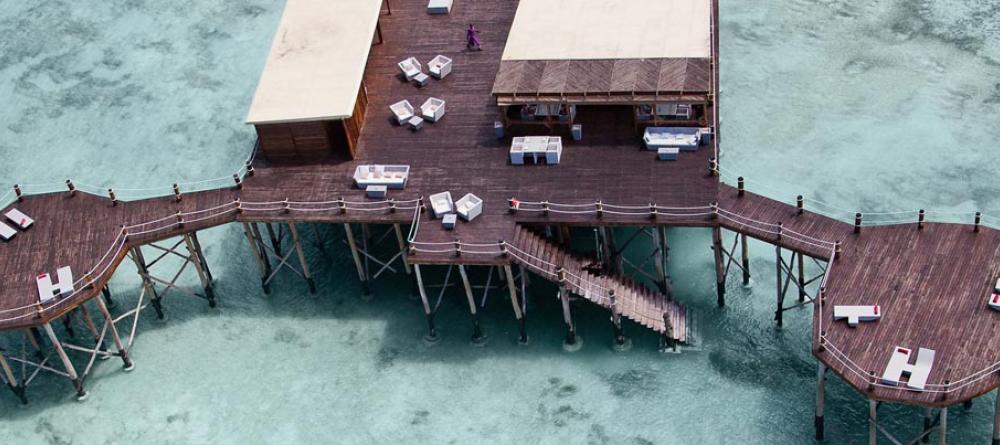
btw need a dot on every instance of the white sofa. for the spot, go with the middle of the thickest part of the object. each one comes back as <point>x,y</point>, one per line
<point>391,176</point>
<point>469,207</point>
<point>439,66</point>
<point>402,111</point>
<point>410,67</point>
<point>433,109</point>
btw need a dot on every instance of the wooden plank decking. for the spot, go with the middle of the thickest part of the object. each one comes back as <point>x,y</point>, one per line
<point>932,283</point>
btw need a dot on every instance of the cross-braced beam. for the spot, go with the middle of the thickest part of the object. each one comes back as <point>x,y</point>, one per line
<point>191,256</point>
<point>275,249</point>
<point>786,277</point>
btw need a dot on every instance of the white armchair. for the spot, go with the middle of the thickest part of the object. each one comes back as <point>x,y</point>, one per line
<point>439,67</point>
<point>433,109</point>
<point>442,204</point>
<point>469,207</point>
<point>410,67</point>
<point>402,111</point>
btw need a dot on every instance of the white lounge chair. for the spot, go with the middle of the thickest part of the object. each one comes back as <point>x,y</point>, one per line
<point>442,204</point>
<point>899,364</point>
<point>7,232</point>
<point>410,67</point>
<point>19,219</point>
<point>433,109</point>
<point>48,290</point>
<point>469,207</point>
<point>402,111</point>
<point>439,67</point>
<point>855,314</point>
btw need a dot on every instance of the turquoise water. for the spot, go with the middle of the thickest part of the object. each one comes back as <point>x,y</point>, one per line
<point>887,106</point>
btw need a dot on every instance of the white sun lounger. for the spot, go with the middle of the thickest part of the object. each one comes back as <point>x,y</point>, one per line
<point>899,364</point>
<point>7,232</point>
<point>854,314</point>
<point>19,219</point>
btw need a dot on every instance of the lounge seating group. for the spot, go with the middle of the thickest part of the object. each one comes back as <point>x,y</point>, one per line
<point>468,207</point>
<point>432,110</point>
<point>390,176</point>
<point>675,139</point>
<point>439,68</point>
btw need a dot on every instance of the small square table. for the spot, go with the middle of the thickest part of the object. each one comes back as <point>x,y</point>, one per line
<point>415,123</point>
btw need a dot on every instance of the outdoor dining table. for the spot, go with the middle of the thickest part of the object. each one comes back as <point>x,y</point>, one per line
<point>536,147</point>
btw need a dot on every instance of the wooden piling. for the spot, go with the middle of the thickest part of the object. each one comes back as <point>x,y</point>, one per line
<point>567,317</point>
<point>477,332</point>
<point>802,277</point>
<point>401,242</point>
<point>357,259</point>
<point>779,311</point>
<point>432,335</point>
<point>943,426</point>
<point>16,388</point>
<point>820,399</point>
<point>140,264</point>
<point>616,320</point>
<point>297,240</point>
<point>81,393</point>
<point>996,419</point>
<point>196,260</point>
<point>720,267</point>
<point>257,254</point>
<point>928,424</point>
<point>745,258</point>
<point>872,422</point>
<point>511,287</point>
<point>660,262</point>
<point>120,347</point>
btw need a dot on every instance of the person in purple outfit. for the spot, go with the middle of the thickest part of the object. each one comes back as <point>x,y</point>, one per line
<point>472,36</point>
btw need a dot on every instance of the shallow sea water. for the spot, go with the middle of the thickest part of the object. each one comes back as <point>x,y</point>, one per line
<point>864,106</point>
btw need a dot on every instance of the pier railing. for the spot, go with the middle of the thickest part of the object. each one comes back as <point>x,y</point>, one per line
<point>173,224</point>
<point>863,217</point>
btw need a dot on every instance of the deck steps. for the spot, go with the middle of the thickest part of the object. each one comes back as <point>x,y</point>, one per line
<point>635,301</point>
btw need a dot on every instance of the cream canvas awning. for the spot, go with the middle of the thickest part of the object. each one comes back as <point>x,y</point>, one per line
<point>610,29</point>
<point>317,61</point>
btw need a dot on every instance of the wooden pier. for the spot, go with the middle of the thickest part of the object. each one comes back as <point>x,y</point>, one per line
<point>931,279</point>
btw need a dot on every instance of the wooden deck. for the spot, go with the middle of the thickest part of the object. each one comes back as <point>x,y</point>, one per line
<point>931,283</point>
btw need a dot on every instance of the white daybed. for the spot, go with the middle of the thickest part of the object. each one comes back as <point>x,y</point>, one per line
<point>391,176</point>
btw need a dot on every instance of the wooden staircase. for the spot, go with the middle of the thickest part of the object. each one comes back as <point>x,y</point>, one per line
<point>632,300</point>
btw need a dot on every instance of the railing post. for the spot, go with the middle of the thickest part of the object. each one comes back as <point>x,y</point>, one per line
<point>799,204</point>
<point>857,223</point>
<point>18,192</point>
<point>111,195</point>
<point>920,219</point>
<point>600,209</point>
<point>979,219</point>
<point>740,189</point>
<point>71,187</point>
<point>238,181</point>
<point>177,193</point>
<point>653,211</point>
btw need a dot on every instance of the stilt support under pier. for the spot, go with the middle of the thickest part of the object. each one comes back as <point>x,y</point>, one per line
<point>820,399</point>
<point>11,380</point>
<point>621,343</point>
<point>518,313</point>
<point>274,248</point>
<point>147,282</point>
<point>720,270</point>
<point>745,258</point>
<point>81,392</point>
<point>477,331</point>
<point>432,335</point>
<point>362,272</point>
<point>571,342</point>
<point>996,419</point>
